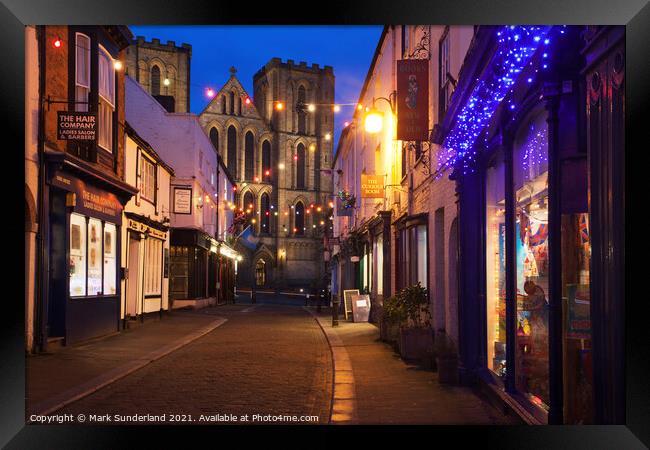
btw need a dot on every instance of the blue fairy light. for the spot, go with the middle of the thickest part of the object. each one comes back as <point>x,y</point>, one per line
<point>516,46</point>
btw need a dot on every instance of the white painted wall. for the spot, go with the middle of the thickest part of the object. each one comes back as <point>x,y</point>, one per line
<point>181,142</point>
<point>148,209</point>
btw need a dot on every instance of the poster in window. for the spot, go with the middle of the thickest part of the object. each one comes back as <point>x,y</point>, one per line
<point>75,238</point>
<point>182,201</point>
<point>108,243</point>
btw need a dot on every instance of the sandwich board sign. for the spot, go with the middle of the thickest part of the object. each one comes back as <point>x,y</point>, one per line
<point>360,308</point>
<point>347,301</point>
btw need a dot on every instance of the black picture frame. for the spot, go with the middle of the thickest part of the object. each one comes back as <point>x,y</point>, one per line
<point>635,14</point>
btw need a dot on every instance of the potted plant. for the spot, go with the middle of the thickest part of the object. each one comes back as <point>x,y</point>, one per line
<point>446,358</point>
<point>393,314</point>
<point>416,337</point>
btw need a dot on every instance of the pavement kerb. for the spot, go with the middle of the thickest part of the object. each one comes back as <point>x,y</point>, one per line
<point>71,395</point>
<point>344,404</point>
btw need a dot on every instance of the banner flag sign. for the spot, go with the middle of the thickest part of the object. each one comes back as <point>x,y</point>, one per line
<point>372,186</point>
<point>76,126</point>
<point>413,99</point>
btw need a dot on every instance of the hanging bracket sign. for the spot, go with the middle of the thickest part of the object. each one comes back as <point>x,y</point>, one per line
<point>372,186</point>
<point>413,99</point>
<point>76,126</point>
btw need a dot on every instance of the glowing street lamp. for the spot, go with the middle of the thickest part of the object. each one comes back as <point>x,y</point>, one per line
<point>311,107</point>
<point>374,120</point>
<point>166,81</point>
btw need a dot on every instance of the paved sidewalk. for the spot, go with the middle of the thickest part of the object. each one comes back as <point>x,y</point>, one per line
<point>54,380</point>
<point>373,385</point>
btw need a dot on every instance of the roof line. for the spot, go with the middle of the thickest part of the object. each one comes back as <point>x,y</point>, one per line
<point>384,32</point>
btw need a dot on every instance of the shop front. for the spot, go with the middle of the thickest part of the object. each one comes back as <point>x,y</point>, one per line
<point>202,269</point>
<point>225,285</point>
<point>189,251</point>
<point>82,251</point>
<point>527,319</point>
<point>146,247</point>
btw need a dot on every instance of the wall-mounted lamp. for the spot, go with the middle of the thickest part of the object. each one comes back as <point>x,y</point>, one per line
<point>374,120</point>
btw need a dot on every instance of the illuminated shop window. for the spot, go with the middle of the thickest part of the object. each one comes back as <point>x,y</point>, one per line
<point>77,255</point>
<point>93,257</point>
<point>495,264</point>
<point>110,276</point>
<point>531,250</point>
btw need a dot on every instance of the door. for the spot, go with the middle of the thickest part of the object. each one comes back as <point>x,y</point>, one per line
<point>59,278</point>
<point>132,281</point>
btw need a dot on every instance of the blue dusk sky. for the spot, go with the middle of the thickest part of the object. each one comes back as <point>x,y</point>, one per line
<point>348,49</point>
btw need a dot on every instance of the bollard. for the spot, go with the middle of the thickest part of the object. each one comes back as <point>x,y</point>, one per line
<point>335,310</point>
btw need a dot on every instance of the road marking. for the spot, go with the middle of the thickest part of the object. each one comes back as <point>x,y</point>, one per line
<point>344,399</point>
<point>249,309</point>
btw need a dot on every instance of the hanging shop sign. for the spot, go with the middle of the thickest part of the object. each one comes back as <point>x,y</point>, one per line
<point>372,186</point>
<point>182,200</point>
<point>413,99</point>
<point>89,200</point>
<point>76,126</point>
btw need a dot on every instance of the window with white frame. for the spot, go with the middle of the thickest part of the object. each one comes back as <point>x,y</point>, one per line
<point>106,99</point>
<point>147,179</point>
<point>445,87</point>
<point>152,266</point>
<point>82,71</point>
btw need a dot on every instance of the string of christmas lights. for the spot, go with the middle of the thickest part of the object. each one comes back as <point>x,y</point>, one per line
<point>515,49</point>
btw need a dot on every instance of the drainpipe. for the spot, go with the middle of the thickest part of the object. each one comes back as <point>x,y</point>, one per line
<point>41,289</point>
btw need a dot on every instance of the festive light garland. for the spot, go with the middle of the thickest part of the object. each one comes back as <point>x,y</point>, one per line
<point>535,149</point>
<point>515,50</point>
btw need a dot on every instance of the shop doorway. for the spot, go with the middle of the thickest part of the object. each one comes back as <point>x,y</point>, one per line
<point>58,268</point>
<point>132,283</point>
<point>452,276</point>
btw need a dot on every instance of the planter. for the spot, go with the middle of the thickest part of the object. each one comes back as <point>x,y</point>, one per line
<point>428,361</point>
<point>415,342</point>
<point>388,332</point>
<point>447,369</point>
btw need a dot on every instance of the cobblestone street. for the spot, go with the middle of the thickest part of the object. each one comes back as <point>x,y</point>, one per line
<point>273,358</point>
<point>263,360</point>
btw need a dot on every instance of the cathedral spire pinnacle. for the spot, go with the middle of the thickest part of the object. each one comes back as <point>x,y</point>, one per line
<point>233,71</point>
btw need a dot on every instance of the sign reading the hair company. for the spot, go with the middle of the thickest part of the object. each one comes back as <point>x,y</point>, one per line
<point>89,200</point>
<point>372,186</point>
<point>76,126</point>
<point>413,99</point>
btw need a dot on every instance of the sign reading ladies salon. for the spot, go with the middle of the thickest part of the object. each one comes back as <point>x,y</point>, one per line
<point>76,126</point>
<point>413,99</point>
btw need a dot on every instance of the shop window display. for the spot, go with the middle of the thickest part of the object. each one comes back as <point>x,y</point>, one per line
<point>531,237</point>
<point>94,257</point>
<point>110,265</point>
<point>495,258</point>
<point>77,255</point>
<point>378,250</point>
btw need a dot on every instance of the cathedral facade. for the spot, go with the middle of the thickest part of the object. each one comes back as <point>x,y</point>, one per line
<point>278,147</point>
